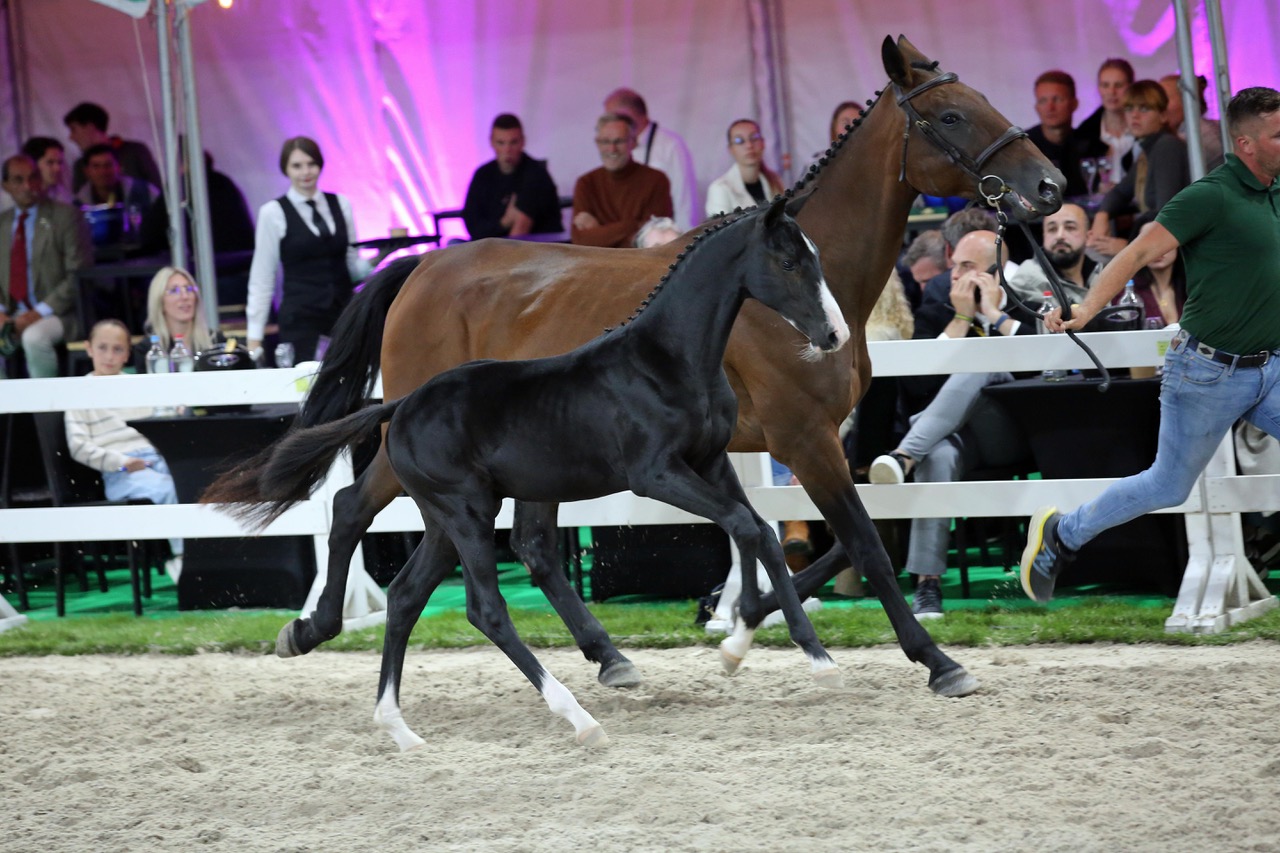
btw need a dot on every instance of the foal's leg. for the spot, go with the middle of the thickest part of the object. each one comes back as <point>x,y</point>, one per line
<point>532,538</point>
<point>722,479</point>
<point>354,508</point>
<point>408,594</point>
<point>471,528</point>
<point>679,485</point>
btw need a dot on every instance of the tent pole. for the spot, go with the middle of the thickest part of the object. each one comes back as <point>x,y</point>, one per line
<point>173,186</point>
<point>1221,71</point>
<point>1190,89</point>
<point>201,233</point>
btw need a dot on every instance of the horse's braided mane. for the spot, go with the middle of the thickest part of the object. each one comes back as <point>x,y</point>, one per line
<point>724,222</point>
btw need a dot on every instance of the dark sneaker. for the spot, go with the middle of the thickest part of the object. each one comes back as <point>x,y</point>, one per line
<point>927,603</point>
<point>891,469</point>
<point>1045,556</point>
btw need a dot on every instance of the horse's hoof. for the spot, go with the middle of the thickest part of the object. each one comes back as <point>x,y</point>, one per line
<point>956,682</point>
<point>593,738</point>
<point>286,647</point>
<point>729,661</point>
<point>828,678</point>
<point>621,673</point>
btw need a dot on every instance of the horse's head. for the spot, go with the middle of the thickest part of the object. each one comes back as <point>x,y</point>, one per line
<point>786,275</point>
<point>959,145</point>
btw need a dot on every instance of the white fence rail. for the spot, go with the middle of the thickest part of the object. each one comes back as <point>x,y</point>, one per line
<point>1213,523</point>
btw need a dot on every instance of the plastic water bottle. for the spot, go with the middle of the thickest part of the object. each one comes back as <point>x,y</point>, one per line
<point>1048,303</point>
<point>158,362</point>
<point>180,357</point>
<point>1129,299</point>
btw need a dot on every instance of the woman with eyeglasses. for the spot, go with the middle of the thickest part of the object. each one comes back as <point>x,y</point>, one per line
<point>1160,170</point>
<point>749,181</point>
<point>174,308</point>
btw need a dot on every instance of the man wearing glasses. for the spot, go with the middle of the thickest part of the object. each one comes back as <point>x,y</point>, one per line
<point>612,202</point>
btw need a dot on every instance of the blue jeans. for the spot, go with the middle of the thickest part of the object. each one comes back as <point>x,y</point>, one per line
<point>1200,400</point>
<point>154,483</point>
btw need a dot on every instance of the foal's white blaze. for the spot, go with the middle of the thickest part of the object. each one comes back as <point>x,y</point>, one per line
<point>386,714</point>
<point>561,701</point>
<point>829,305</point>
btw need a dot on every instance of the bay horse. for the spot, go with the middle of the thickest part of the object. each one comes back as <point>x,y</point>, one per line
<point>645,407</point>
<point>508,299</point>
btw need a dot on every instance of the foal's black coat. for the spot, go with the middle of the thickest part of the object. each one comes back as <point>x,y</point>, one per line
<point>645,407</point>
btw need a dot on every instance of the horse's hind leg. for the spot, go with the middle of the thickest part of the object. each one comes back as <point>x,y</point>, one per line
<point>431,562</point>
<point>532,538</point>
<point>354,509</point>
<point>487,611</point>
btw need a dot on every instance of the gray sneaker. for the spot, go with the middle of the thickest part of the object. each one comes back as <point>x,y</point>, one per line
<point>1045,556</point>
<point>927,603</point>
<point>889,469</point>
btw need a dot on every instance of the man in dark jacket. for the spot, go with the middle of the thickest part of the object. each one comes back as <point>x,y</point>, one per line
<point>513,194</point>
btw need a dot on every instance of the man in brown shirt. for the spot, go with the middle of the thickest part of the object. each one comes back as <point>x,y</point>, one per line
<point>612,202</point>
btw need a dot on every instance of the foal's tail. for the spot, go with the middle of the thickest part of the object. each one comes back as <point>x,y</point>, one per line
<point>298,461</point>
<point>345,380</point>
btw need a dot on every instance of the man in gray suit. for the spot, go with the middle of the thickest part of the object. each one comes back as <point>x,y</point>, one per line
<point>42,244</point>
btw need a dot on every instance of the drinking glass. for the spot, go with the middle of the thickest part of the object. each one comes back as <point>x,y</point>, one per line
<point>284,355</point>
<point>1089,166</point>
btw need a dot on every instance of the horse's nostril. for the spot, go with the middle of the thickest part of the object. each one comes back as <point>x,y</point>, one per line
<point>1049,191</point>
<point>833,339</point>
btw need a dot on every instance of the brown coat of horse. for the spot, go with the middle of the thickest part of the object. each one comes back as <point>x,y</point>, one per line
<point>506,299</point>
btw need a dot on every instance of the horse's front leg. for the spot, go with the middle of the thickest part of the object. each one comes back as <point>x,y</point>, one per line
<point>430,563</point>
<point>354,509</point>
<point>533,539</point>
<point>823,472</point>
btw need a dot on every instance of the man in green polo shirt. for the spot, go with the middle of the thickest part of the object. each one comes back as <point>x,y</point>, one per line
<point>1223,364</point>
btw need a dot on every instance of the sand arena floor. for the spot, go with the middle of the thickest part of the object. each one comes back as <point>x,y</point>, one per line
<point>1083,748</point>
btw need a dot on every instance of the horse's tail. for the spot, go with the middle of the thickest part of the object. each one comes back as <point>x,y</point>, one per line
<point>346,378</point>
<point>291,468</point>
<point>350,367</point>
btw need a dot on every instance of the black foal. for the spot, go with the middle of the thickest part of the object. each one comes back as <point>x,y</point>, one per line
<point>645,407</point>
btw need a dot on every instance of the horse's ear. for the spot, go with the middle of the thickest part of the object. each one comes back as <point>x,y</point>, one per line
<point>895,64</point>
<point>774,215</point>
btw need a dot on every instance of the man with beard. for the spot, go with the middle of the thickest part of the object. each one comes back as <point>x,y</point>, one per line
<point>1065,233</point>
<point>960,429</point>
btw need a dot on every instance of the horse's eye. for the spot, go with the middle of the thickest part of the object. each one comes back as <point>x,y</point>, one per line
<point>788,264</point>
<point>950,118</point>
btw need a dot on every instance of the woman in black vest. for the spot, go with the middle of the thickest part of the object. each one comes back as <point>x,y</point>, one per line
<point>309,235</point>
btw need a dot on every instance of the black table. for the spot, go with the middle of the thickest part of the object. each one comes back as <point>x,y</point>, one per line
<point>269,571</point>
<point>1076,432</point>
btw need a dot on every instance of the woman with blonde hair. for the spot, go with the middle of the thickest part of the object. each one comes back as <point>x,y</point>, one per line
<point>174,307</point>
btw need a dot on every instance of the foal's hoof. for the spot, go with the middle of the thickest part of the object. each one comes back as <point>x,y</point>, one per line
<point>729,661</point>
<point>621,673</point>
<point>955,682</point>
<point>593,738</point>
<point>828,678</point>
<point>286,646</point>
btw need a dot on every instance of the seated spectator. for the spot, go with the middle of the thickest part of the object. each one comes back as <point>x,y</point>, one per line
<point>663,149</point>
<point>960,428</point>
<point>52,161</point>
<point>1175,120</point>
<point>102,440</point>
<point>1162,286</point>
<point>1105,134</point>
<point>1065,234</point>
<point>611,202</point>
<point>924,259</point>
<point>87,126</point>
<point>513,194</point>
<point>1159,170</point>
<point>845,114</point>
<point>38,276</point>
<point>1056,103</point>
<point>145,222</point>
<point>658,231</point>
<point>174,307</point>
<point>749,180</point>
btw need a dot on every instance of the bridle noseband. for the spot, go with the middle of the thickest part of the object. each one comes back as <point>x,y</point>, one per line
<point>972,166</point>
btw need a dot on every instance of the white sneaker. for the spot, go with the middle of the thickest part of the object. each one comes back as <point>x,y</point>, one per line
<point>887,470</point>
<point>809,605</point>
<point>173,568</point>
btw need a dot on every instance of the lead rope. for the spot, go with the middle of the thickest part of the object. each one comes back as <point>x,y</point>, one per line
<point>1056,284</point>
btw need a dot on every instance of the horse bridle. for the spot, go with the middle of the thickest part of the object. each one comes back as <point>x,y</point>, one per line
<point>999,188</point>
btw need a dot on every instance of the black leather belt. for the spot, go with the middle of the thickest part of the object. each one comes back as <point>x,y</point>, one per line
<point>1257,359</point>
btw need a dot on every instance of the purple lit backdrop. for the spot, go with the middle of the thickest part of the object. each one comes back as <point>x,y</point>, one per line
<point>400,94</point>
